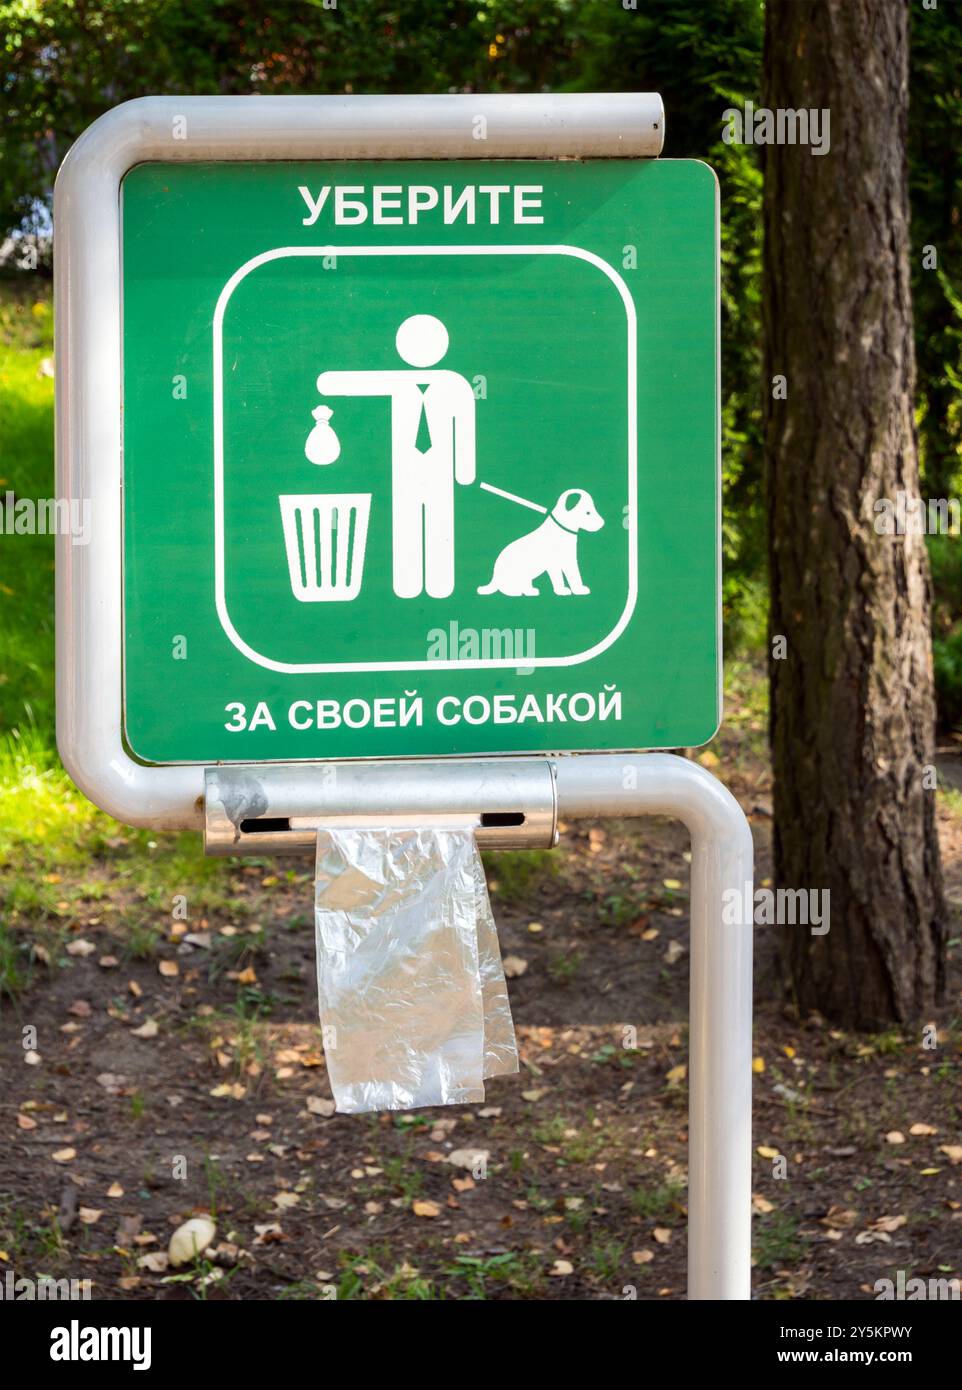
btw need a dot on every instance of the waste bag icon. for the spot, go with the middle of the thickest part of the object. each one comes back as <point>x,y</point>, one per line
<point>325,535</point>
<point>323,445</point>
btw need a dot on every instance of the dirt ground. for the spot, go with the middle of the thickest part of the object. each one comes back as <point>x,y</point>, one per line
<point>181,1072</point>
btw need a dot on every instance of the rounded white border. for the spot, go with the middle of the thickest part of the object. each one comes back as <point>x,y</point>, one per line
<point>477,663</point>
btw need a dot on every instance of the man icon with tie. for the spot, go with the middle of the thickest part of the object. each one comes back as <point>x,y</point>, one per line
<point>432,447</point>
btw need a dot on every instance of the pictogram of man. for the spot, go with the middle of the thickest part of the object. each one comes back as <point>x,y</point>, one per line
<point>432,448</point>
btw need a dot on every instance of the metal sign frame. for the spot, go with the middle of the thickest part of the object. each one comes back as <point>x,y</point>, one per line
<point>88,321</point>
<point>254,808</point>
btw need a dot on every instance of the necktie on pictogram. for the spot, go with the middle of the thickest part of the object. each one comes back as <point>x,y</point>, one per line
<point>423,440</point>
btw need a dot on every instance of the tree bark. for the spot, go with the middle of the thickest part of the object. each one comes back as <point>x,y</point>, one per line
<point>852,703</point>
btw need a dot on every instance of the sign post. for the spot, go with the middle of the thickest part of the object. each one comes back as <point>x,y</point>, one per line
<point>400,433</point>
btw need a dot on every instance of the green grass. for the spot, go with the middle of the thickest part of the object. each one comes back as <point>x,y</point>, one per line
<point>363,1278</point>
<point>59,855</point>
<point>776,1242</point>
<point>663,1203</point>
<point>26,468</point>
<point>519,1273</point>
<point>516,873</point>
<point>44,822</point>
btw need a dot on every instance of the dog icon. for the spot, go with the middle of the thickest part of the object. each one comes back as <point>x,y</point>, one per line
<point>552,549</point>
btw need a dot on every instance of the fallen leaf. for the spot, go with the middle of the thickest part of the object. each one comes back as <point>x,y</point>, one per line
<point>662,1235</point>
<point>268,1233</point>
<point>758,1065</point>
<point>839,1218</point>
<point>895,1136</point>
<point>81,947</point>
<point>115,1190</point>
<point>642,1257</point>
<point>889,1223</point>
<point>761,1204</point>
<point>25,1122</point>
<point>156,1262</point>
<point>674,953</point>
<point>149,1029</point>
<point>923,1129</point>
<point>560,1268</point>
<point>514,966</point>
<point>320,1105</point>
<point>169,968</point>
<point>232,1089</point>
<point>426,1208</point>
<point>88,1215</point>
<point>64,1155</point>
<point>198,938</point>
<point>469,1158</point>
<point>953,1152</point>
<point>283,1200</point>
<point>677,1074</point>
<point>765,1151</point>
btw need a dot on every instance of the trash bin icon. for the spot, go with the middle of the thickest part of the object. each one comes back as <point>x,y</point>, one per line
<point>325,535</point>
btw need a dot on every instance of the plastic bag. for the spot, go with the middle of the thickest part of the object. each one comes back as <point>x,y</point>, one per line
<point>411,990</point>
<point>323,445</point>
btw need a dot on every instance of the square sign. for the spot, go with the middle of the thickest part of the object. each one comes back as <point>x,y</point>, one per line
<point>419,458</point>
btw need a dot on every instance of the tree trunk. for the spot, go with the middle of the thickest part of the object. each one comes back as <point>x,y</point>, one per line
<point>852,704</point>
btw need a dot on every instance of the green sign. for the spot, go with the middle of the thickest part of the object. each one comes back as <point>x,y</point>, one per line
<point>419,458</point>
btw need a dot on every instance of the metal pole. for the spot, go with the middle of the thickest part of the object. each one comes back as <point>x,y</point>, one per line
<point>720,1024</point>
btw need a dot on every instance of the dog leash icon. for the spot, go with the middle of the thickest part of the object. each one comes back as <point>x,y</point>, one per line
<point>512,497</point>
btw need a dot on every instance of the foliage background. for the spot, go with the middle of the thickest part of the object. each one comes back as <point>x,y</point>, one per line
<point>66,61</point>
